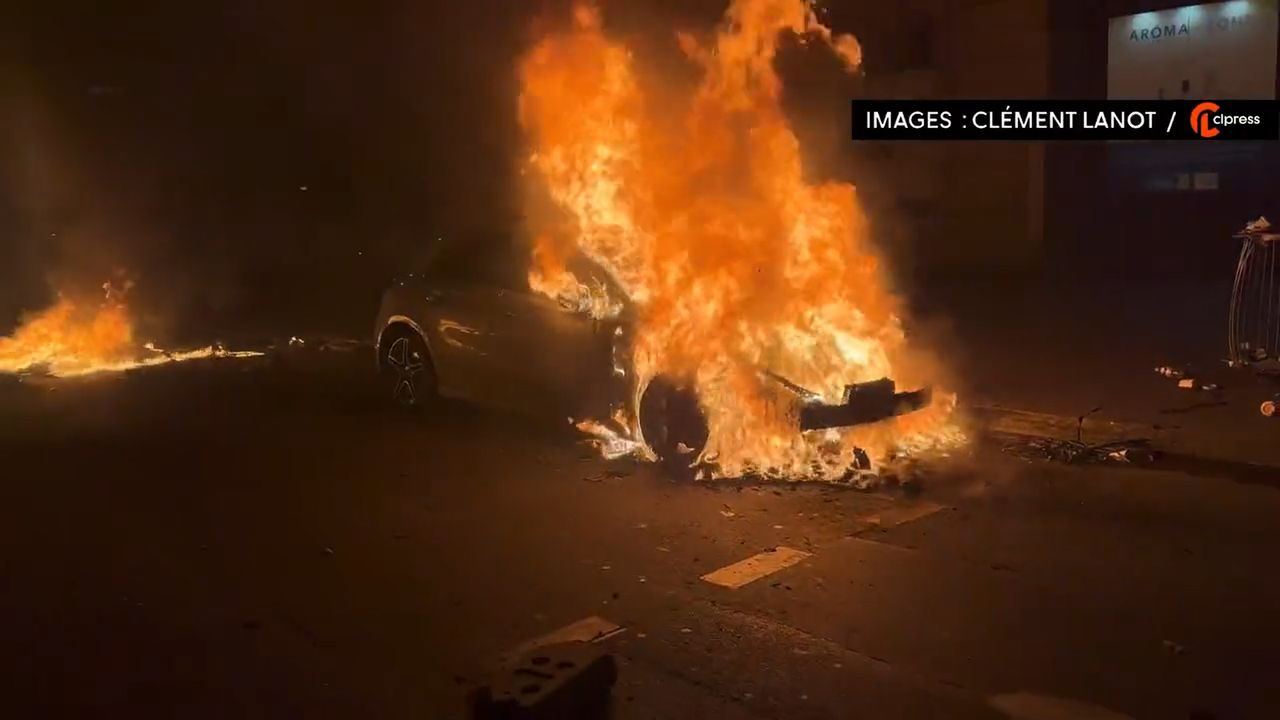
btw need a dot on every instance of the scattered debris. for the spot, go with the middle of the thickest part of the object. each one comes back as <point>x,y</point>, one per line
<point>1269,408</point>
<point>1169,372</point>
<point>1137,451</point>
<point>339,345</point>
<point>1137,455</point>
<point>1194,384</point>
<point>609,474</point>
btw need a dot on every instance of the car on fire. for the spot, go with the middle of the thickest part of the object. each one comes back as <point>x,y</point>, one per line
<point>466,325</point>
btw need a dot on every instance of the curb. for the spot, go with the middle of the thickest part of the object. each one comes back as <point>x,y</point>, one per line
<point>1181,446</point>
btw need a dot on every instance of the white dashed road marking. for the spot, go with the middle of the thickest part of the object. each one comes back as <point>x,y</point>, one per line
<point>755,567</point>
<point>902,514</point>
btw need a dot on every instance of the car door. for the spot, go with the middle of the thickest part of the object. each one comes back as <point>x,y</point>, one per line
<point>469,326</point>
<point>564,357</point>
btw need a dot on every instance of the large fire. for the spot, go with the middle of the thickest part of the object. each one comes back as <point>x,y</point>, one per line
<point>73,338</point>
<point>739,270</point>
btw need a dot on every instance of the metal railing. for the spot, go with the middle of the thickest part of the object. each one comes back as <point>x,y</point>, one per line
<point>1253,329</point>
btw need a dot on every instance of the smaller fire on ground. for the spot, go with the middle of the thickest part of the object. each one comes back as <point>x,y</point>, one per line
<point>76,338</point>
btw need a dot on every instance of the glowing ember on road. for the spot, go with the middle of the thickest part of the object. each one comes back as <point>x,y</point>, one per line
<point>696,207</point>
<point>72,338</point>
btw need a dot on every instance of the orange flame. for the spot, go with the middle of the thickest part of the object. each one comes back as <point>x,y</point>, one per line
<point>698,210</point>
<point>71,338</point>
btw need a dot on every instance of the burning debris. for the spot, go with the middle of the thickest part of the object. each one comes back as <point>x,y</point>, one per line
<point>74,338</point>
<point>754,290</point>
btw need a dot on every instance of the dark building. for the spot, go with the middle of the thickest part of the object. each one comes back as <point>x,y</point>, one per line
<point>968,206</point>
<point>1097,208</point>
<point>1159,209</point>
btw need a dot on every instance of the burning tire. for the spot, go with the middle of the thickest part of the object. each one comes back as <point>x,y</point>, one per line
<point>673,425</point>
<point>406,373</point>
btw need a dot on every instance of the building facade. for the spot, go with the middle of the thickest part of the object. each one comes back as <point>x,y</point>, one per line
<point>1012,206</point>
<point>1161,209</point>
<point>967,206</point>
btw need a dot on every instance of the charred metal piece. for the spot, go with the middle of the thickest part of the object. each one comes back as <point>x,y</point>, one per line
<point>865,403</point>
<point>567,680</point>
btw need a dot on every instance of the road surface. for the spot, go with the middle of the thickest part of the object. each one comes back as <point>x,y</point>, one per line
<point>259,540</point>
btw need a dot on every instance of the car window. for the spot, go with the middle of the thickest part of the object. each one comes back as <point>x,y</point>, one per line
<point>486,259</point>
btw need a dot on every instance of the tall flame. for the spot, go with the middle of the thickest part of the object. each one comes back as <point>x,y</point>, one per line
<point>698,211</point>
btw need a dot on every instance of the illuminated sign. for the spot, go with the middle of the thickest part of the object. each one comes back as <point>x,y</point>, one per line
<point>1218,50</point>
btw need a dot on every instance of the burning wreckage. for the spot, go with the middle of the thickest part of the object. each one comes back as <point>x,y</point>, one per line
<point>509,346</point>
<point>738,313</point>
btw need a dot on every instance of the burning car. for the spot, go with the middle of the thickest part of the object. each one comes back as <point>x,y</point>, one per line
<point>713,303</point>
<point>467,325</point>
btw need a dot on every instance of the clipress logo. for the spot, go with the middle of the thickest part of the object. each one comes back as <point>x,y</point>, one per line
<point>1208,119</point>
<point>1200,119</point>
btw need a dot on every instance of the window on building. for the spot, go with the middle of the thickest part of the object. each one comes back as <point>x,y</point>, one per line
<point>907,46</point>
<point>918,46</point>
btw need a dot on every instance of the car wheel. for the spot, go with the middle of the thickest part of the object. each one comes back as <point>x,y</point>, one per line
<point>673,425</point>
<point>408,377</point>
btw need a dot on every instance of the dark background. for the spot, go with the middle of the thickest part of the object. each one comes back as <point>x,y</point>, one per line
<point>175,140</point>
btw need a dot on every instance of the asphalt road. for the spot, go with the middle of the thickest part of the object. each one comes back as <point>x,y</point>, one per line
<point>259,540</point>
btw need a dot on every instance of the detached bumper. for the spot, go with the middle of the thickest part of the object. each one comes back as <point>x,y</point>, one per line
<point>864,403</point>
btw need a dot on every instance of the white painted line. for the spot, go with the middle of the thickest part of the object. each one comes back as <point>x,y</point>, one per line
<point>590,629</point>
<point>755,567</point>
<point>902,514</point>
<point>881,545</point>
